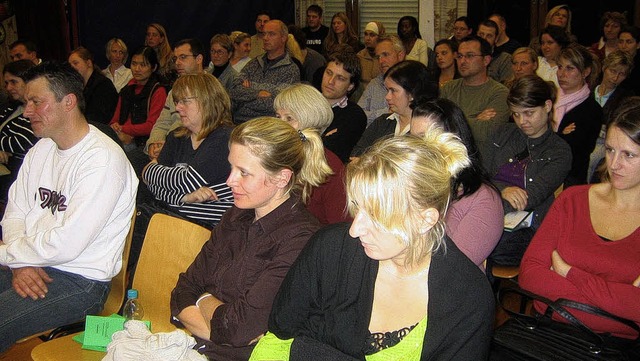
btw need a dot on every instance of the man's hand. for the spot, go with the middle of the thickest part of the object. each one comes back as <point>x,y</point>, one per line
<point>125,138</point>
<point>154,150</point>
<point>516,196</point>
<point>4,157</point>
<point>487,114</point>
<point>30,282</point>
<point>246,83</point>
<point>637,282</point>
<point>116,127</point>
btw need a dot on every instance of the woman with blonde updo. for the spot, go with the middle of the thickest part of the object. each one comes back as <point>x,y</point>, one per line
<point>366,289</point>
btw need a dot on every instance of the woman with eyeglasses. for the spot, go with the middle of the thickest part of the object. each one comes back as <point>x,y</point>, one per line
<point>140,102</point>
<point>188,177</point>
<point>221,54</point>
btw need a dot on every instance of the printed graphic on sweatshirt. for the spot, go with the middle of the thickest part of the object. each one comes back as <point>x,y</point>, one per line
<point>52,200</point>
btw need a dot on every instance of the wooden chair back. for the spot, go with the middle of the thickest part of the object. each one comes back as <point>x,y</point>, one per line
<point>170,246</point>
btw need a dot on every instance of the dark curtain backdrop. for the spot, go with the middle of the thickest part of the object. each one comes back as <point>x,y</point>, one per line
<point>46,23</point>
<point>100,20</point>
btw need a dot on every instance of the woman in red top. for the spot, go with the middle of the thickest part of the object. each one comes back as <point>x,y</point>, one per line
<point>588,247</point>
<point>140,102</point>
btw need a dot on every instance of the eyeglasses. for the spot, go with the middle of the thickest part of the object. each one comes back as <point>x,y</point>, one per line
<point>467,56</point>
<point>184,101</point>
<point>219,52</point>
<point>182,57</point>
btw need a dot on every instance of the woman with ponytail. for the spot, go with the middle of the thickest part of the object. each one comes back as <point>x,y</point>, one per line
<point>225,296</point>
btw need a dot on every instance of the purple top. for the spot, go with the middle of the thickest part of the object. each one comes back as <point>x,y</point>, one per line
<point>475,223</point>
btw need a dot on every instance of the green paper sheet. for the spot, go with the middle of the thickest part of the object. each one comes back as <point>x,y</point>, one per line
<point>98,331</point>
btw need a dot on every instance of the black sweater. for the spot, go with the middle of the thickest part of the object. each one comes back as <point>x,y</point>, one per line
<point>349,123</point>
<point>327,296</point>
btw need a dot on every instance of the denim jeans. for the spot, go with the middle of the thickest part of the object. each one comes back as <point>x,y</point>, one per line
<point>70,298</point>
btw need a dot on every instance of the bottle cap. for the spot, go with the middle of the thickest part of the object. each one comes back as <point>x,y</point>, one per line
<point>132,293</point>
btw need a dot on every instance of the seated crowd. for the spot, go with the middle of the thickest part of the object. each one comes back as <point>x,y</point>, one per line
<point>356,192</point>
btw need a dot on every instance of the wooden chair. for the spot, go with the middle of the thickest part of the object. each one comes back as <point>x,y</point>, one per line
<point>170,245</point>
<point>505,272</point>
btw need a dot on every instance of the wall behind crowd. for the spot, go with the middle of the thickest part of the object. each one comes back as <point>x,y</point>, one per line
<point>98,21</point>
<point>46,22</point>
<point>586,15</point>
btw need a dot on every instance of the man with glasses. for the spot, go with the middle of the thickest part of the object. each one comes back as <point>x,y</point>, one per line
<point>482,99</point>
<point>188,55</point>
<point>259,82</point>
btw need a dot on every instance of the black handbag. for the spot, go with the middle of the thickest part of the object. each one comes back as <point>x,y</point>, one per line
<point>525,337</point>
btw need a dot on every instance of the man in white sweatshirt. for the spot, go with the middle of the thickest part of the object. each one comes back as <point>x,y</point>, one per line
<point>68,212</point>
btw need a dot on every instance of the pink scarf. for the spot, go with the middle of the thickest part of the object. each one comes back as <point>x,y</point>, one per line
<point>567,102</point>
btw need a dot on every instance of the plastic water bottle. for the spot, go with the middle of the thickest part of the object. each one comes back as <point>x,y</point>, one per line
<point>133,308</point>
